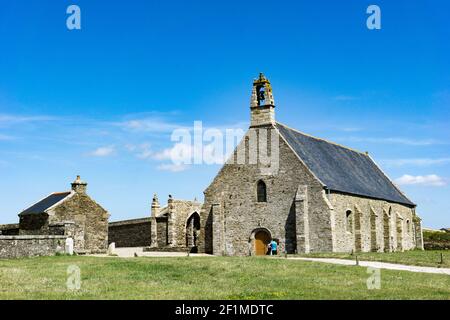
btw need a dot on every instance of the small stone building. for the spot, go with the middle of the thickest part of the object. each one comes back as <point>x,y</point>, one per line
<point>309,194</point>
<point>72,213</point>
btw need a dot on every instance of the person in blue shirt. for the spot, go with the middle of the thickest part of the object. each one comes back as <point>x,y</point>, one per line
<point>274,246</point>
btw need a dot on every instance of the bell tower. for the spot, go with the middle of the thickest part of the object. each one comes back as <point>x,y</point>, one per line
<point>262,106</point>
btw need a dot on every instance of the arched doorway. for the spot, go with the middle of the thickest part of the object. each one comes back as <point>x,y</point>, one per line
<point>193,232</point>
<point>262,240</point>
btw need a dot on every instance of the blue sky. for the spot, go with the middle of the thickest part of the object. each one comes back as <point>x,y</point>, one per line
<point>102,101</point>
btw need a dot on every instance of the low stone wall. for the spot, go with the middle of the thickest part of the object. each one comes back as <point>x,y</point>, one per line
<point>9,229</point>
<point>436,240</point>
<point>130,233</point>
<point>30,246</point>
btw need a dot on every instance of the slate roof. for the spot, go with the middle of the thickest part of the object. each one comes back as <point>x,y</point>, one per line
<point>46,203</point>
<point>342,169</point>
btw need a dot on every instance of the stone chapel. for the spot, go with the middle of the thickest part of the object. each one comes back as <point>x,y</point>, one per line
<point>309,194</point>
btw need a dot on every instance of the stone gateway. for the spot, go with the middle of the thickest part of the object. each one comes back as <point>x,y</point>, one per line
<point>174,227</point>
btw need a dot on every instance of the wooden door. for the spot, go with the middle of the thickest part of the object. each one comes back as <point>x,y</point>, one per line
<point>262,240</point>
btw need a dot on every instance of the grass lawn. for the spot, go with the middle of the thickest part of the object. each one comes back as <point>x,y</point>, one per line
<point>208,278</point>
<point>415,257</point>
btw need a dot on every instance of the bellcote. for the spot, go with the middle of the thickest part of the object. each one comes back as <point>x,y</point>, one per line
<point>262,105</point>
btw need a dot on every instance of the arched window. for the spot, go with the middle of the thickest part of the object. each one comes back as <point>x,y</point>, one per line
<point>261,190</point>
<point>408,226</point>
<point>349,221</point>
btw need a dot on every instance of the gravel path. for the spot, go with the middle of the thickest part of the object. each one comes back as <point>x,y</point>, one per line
<point>379,265</point>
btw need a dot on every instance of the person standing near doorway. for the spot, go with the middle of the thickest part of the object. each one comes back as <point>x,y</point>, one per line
<point>274,247</point>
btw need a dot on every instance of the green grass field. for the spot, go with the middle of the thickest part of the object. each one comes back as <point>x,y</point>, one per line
<point>415,257</point>
<point>208,278</point>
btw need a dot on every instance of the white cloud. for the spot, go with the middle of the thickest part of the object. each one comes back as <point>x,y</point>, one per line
<point>8,119</point>
<point>148,125</point>
<point>182,153</point>
<point>142,151</point>
<point>415,162</point>
<point>179,153</point>
<point>103,151</point>
<point>429,180</point>
<point>157,124</point>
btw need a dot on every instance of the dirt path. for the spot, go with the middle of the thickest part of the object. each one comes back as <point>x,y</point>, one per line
<point>379,265</point>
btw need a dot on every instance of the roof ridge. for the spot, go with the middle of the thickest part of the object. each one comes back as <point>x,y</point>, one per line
<point>321,139</point>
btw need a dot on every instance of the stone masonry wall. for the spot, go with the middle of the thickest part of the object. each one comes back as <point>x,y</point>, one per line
<point>130,233</point>
<point>162,231</point>
<point>90,222</point>
<point>29,246</point>
<point>262,115</point>
<point>9,229</point>
<point>320,220</point>
<point>180,212</point>
<point>231,212</point>
<point>34,224</point>
<point>376,219</point>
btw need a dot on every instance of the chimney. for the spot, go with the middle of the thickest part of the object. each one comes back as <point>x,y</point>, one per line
<point>79,186</point>
<point>262,106</point>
